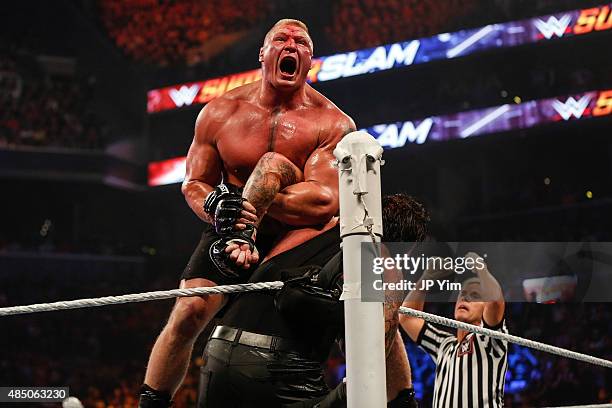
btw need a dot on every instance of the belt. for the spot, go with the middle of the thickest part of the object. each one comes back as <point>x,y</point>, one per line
<point>246,338</point>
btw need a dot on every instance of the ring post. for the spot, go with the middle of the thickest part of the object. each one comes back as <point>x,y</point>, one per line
<point>359,159</point>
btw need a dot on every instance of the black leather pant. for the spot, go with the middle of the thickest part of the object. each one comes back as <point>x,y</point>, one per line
<point>235,375</point>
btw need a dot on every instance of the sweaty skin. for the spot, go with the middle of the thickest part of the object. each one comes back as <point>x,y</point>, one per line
<point>280,114</point>
<point>279,118</point>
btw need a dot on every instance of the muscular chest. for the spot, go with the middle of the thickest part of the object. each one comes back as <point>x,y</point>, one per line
<point>248,134</point>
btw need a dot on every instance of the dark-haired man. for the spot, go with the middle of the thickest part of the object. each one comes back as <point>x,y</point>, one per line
<point>304,318</point>
<point>286,129</point>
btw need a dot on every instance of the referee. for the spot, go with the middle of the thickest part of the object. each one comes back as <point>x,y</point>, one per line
<point>470,368</point>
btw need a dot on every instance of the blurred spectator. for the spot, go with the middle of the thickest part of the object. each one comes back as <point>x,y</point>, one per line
<point>177,32</point>
<point>368,23</point>
<point>40,110</point>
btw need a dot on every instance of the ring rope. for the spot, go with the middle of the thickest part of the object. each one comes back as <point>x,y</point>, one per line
<point>507,337</point>
<point>275,285</point>
<point>138,297</point>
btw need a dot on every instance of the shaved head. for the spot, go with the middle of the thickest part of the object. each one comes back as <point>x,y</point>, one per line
<point>287,21</point>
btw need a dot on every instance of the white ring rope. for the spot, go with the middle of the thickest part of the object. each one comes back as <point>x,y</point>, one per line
<point>507,337</point>
<point>138,297</point>
<point>275,285</point>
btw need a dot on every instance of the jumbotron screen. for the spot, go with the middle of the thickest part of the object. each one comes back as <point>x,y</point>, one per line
<point>402,54</point>
<point>454,126</point>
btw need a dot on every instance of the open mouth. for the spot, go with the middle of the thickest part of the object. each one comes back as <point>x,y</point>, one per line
<point>288,66</point>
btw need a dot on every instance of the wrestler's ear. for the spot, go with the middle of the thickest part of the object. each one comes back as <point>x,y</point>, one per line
<point>261,54</point>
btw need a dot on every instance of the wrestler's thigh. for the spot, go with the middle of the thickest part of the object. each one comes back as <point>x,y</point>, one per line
<point>199,306</point>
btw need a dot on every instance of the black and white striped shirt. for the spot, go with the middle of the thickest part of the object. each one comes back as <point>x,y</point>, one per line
<point>469,374</point>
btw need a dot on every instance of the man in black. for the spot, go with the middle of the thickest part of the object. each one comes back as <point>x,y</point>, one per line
<point>265,352</point>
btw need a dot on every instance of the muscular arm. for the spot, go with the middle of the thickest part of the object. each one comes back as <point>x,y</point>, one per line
<point>203,161</point>
<point>314,200</point>
<point>399,376</point>
<point>399,373</point>
<point>391,305</point>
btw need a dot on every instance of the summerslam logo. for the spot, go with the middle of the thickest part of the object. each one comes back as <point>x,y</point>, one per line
<point>588,20</point>
<point>398,134</point>
<point>323,69</point>
<point>364,61</point>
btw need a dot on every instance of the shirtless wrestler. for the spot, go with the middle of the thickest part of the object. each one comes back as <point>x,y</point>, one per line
<point>290,130</point>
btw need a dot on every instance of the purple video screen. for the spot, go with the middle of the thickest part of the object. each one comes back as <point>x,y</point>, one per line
<point>493,120</point>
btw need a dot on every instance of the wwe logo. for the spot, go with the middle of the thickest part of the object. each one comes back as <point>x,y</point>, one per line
<point>553,26</point>
<point>184,95</point>
<point>466,346</point>
<point>572,107</point>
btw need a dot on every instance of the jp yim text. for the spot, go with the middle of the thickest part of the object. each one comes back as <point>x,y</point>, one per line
<point>426,284</point>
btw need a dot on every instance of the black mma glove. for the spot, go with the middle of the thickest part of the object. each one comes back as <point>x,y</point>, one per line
<point>405,399</point>
<point>224,205</point>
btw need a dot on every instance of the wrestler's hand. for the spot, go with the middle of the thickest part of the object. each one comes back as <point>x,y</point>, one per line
<point>224,206</point>
<point>248,215</point>
<point>242,255</point>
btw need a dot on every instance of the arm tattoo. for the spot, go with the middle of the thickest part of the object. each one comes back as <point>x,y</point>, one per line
<point>391,323</point>
<point>272,174</point>
<point>288,175</point>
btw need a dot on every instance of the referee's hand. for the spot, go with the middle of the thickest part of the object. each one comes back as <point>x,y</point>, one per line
<point>478,262</point>
<point>438,271</point>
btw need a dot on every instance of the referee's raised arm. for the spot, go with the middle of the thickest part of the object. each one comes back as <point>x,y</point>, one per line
<point>416,300</point>
<point>492,293</point>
